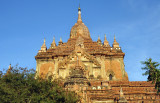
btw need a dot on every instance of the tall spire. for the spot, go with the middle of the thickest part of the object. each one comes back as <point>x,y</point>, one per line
<point>79,15</point>
<point>79,28</point>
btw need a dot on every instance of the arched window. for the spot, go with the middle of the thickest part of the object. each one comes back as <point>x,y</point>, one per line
<point>110,77</point>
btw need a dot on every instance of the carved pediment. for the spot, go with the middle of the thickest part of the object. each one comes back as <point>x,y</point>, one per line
<point>83,58</point>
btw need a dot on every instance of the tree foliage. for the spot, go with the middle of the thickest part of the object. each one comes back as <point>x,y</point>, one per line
<point>20,86</point>
<point>152,71</point>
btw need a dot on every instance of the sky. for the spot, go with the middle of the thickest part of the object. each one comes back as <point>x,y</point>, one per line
<point>25,23</point>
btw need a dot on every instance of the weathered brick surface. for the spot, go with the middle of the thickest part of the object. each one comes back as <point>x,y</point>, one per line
<point>99,63</point>
<point>46,69</point>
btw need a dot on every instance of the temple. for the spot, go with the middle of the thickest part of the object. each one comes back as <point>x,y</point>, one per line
<point>93,69</point>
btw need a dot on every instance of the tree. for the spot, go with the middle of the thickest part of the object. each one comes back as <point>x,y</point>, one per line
<point>152,72</point>
<point>20,86</point>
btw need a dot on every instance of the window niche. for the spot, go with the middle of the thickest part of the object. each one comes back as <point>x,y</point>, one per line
<point>110,77</point>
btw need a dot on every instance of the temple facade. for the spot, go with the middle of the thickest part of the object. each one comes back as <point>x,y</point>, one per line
<point>93,69</point>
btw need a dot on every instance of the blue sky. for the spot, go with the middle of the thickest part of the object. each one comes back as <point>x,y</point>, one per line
<point>25,23</point>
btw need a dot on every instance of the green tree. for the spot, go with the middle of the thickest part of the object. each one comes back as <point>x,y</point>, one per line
<point>20,86</point>
<point>152,72</point>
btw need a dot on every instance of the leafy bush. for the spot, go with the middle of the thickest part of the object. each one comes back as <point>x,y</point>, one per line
<point>20,86</point>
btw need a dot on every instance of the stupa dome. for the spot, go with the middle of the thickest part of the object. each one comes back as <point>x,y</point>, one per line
<point>79,28</point>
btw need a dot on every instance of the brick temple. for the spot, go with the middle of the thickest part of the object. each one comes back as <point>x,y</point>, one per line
<point>93,69</point>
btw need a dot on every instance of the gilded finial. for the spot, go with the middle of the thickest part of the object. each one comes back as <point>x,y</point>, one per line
<point>114,38</point>
<point>53,38</point>
<point>43,47</point>
<point>9,69</point>
<point>98,38</point>
<point>79,15</point>
<point>60,42</point>
<point>99,41</point>
<point>44,40</point>
<point>10,66</point>
<point>105,37</point>
<point>115,43</point>
<point>44,44</point>
<point>60,39</point>
<point>79,9</point>
<point>106,43</point>
<point>53,44</point>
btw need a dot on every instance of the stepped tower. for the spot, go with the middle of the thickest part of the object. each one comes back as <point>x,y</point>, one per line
<point>93,69</point>
<point>99,60</point>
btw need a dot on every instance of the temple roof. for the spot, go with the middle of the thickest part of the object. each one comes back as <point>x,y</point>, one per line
<point>87,44</point>
<point>80,37</point>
